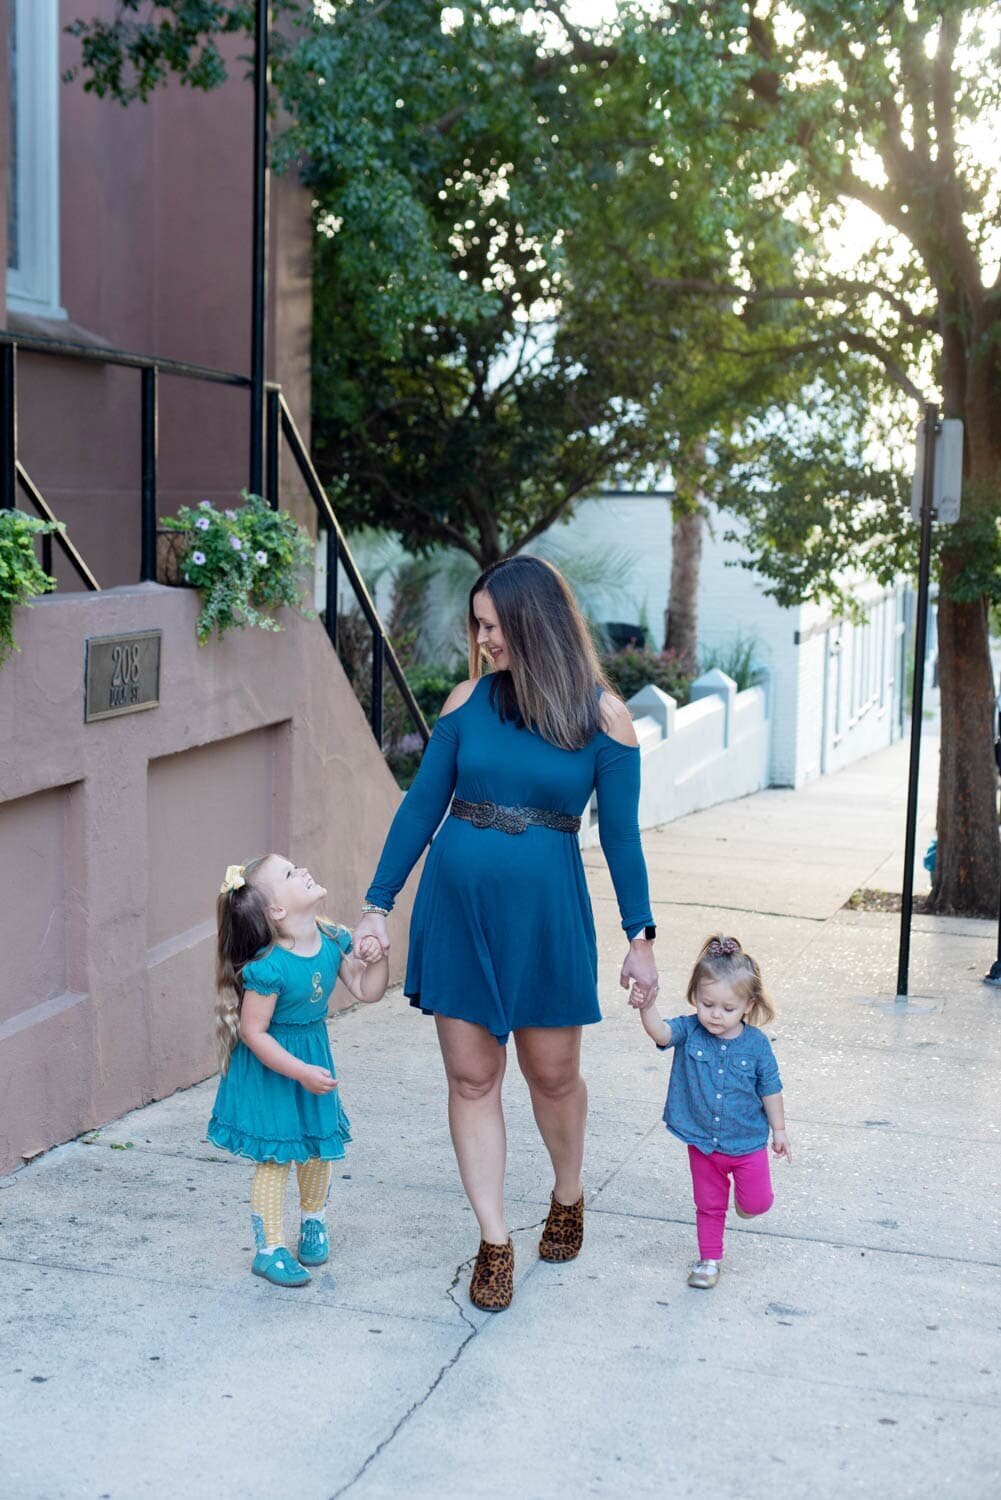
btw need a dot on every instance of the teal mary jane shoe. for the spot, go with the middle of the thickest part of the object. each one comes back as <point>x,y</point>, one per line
<point>314,1246</point>
<point>280,1268</point>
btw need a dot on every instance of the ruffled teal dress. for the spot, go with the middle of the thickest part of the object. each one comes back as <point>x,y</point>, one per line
<point>261,1114</point>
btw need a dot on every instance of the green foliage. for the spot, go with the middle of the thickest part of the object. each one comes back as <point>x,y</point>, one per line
<point>21,577</point>
<point>245,563</point>
<point>432,683</point>
<point>738,659</point>
<point>629,671</point>
<point>127,58</point>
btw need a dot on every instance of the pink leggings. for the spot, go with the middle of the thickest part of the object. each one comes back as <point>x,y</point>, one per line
<point>752,1189</point>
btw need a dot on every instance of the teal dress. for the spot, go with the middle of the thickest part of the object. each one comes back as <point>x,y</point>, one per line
<point>502,932</point>
<point>261,1114</point>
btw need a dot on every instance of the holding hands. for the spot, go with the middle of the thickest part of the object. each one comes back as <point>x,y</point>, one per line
<point>371,937</point>
<point>639,974</point>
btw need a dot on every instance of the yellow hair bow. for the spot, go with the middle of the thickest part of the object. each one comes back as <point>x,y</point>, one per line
<point>234,879</point>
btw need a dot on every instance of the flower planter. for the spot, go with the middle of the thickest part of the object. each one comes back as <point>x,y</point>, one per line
<point>170,549</point>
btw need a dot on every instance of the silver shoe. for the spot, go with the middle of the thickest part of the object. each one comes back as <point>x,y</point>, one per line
<point>742,1212</point>
<point>704,1274</point>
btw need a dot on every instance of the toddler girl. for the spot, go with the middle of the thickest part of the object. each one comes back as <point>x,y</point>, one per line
<point>724,1093</point>
<point>278,1099</point>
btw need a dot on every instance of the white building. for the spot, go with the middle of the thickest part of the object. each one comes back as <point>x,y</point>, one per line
<point>835,688</point>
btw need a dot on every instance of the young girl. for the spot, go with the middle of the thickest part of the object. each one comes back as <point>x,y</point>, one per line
<point>725,1092</point>
<point>278,1098</point>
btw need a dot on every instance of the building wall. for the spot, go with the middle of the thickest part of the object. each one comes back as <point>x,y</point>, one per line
<point>156,257</point>
<point>114,837</point>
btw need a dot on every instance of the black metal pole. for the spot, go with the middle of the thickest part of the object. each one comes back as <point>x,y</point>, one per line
<point>993,975</point>
<point>920,644</point>
<point>378,661</point>
<point>8,427</point>
<point>148,419</point>
<point>272,488</point>
<point>332,586</point>
<point>262,29</point>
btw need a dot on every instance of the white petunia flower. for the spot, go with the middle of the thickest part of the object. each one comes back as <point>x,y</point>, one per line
<point>236,544</point>
<point>261,557</point>
<point>230,515</point>
<point>203,523</point>
<point>198,558</point>
<point>205,505</point>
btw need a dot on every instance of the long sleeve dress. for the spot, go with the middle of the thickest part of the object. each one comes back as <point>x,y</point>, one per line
<point>502,931</point>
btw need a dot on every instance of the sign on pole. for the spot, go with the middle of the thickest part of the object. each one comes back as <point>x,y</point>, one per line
<point>947,485</point>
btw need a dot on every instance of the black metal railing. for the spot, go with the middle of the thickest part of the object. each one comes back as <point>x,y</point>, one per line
<point>278,422</point>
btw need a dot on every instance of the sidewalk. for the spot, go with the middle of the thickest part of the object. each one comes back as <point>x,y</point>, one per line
<point>851,1347</point>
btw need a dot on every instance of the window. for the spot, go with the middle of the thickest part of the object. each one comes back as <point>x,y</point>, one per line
<point>33,184</point>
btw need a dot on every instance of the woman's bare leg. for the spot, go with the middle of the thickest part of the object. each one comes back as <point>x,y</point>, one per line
<point>549,1057</point>
<point>474,1065</point>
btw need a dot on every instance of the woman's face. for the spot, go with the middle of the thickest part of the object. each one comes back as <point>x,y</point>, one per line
<point>488,631</point>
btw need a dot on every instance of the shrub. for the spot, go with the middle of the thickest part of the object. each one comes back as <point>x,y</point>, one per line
<point>629,671</point>
<point>21,577</point>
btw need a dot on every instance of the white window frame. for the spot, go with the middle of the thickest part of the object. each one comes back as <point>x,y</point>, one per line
<point>34,285</point>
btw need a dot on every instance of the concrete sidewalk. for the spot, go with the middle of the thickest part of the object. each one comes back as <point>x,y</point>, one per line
<point>851,1347</point>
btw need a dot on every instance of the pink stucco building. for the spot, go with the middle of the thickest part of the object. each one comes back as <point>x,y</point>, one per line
<point>130,230</point>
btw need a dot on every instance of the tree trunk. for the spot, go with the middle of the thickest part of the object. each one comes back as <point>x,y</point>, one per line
<point>681,618</point>
<point>968,858</point>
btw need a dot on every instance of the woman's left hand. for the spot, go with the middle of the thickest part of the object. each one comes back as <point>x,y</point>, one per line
<point>640,973</point>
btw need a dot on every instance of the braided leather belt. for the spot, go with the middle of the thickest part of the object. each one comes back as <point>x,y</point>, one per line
<point>512,819</point>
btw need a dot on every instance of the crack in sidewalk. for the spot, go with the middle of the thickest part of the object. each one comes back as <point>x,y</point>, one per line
<point>474,1329</point>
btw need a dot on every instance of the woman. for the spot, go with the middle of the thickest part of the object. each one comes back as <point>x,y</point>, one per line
<point>502,938</point>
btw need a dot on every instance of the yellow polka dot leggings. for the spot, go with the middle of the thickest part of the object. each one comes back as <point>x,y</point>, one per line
<point>267,1197</point>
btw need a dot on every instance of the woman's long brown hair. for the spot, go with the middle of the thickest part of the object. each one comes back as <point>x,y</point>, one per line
<point>552,682</point>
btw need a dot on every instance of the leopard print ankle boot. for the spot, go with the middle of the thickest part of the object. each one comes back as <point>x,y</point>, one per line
<point>492,1284</point>
<point>564,1231</point>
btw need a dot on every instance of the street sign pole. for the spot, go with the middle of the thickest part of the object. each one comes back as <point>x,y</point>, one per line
<point>993,975</point>
<point>920,647</point>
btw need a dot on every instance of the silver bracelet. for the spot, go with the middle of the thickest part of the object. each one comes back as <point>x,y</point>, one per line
<point>381,911</point>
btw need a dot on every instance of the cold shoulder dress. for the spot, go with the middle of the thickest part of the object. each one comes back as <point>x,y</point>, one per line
<point>502,931</point>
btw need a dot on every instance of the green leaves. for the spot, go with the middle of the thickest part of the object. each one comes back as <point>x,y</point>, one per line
<point>245,563</point>
<point>21,576</point>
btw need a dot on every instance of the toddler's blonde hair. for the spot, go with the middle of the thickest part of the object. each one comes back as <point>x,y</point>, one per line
<point>722,958</point>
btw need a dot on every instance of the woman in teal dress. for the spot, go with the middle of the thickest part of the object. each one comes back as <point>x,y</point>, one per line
<point>502,939</point>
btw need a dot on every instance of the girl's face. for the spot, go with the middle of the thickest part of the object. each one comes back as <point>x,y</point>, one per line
<point>488,631</point>
<point>720,1008</point>
<point>290,888</point>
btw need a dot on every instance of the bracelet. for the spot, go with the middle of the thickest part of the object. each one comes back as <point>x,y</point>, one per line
<point>381,911</point>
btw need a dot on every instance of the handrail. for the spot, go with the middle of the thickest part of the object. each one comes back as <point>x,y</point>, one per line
<point>89,354</point>
<point>279,421</point>
<point>40,503</point>
<point>342,555</point>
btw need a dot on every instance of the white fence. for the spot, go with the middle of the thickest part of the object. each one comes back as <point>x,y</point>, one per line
<point>712,750</point>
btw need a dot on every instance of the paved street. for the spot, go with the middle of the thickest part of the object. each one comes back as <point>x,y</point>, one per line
<point>852,1345</point>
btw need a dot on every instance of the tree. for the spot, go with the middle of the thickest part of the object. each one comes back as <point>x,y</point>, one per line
<point>813,107</point>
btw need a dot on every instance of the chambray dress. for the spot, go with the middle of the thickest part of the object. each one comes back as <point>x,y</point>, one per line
<point>502,932</point>
<point>260,1113</point>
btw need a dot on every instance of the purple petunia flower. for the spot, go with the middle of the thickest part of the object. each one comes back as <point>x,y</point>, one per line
<point>236,544</point>
<point>198,558</point>
<point>203,523</point>
<point>261,557</point>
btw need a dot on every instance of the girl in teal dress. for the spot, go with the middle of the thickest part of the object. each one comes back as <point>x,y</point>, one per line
<point>278,1100</point>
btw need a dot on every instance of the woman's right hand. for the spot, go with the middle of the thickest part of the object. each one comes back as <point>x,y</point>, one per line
<point>317,1080</point>
<point>372,924</point>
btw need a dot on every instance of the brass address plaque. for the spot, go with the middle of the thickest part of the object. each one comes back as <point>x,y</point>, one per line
<point>121,674</point>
